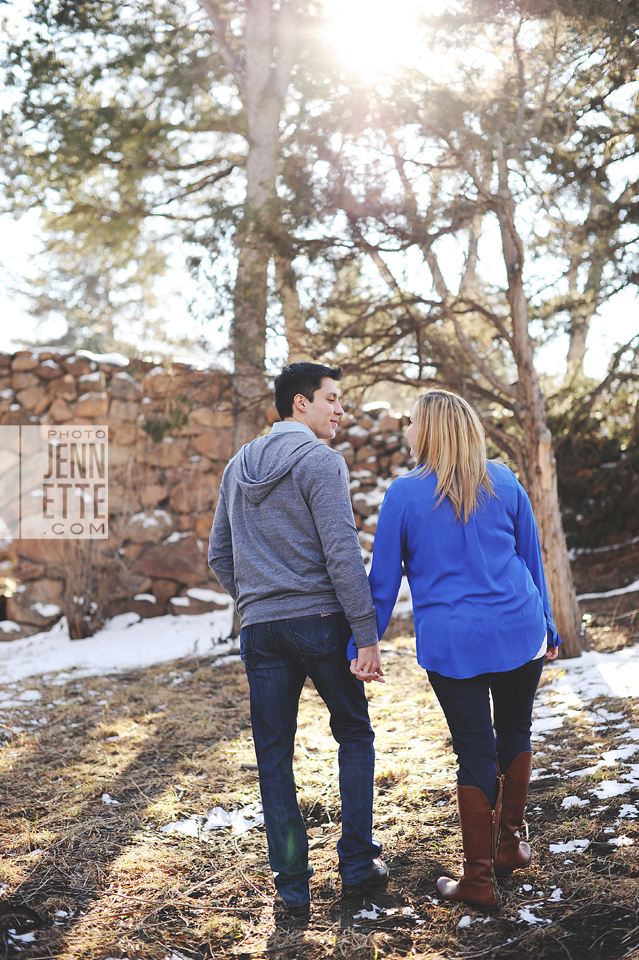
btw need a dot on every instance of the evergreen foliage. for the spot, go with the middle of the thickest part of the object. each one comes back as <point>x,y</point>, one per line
<point>124,130</point>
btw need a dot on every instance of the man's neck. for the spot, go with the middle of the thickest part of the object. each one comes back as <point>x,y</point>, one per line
<point>297,419</point>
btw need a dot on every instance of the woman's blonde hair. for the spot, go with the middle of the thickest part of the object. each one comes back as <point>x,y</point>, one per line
<point>451,443</point>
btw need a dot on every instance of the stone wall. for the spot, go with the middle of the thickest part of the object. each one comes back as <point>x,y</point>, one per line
<point>169,441</point>
<point>375,449</point>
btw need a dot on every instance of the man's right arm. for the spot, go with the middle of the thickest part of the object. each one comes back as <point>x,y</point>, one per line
<point>330,504</point>
<point>221,548</point>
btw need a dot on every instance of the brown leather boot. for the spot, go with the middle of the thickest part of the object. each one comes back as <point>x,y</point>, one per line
<point>510,850</point>
<point>478,824</point>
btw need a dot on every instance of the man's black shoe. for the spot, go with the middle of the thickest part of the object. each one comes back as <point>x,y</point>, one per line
<point>283,909</point>
<point>377,876</point>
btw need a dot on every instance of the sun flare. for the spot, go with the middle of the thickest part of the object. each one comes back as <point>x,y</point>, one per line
<point>373,36</point>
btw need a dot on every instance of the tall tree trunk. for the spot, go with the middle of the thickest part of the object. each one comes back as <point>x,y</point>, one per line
<point>583,306</point>
<point>469,281</point>
<point>577,333</point>
<point>269,42</point>
<point>580,320</point>
<point>248,338</point>
<point>249,316</point>
<point>540,467</point>
<point>298,337</point>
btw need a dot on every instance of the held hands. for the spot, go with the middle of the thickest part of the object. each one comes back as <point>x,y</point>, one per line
<point>368,665</point>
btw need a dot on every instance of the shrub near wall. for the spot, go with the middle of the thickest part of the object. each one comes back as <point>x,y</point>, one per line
<point>169,441</point>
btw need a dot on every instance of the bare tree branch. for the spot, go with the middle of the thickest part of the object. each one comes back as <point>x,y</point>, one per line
<point>613,372</point>
<point>464,342</point>
<point>409,193</point>
<point>505,441</point>
<point>200,185</point>
<point>219,31</point>
<point>474,307</point>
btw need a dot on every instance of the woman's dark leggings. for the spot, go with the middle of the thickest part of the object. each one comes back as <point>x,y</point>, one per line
<point>466,706</point>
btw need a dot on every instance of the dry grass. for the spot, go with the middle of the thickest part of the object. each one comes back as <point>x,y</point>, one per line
<point>175,740</point>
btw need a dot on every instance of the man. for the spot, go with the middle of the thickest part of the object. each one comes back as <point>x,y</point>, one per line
<point>284,545</point>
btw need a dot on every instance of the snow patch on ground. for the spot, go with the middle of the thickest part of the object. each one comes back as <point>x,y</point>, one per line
<point>621,841</point>
<point>610,788</point>
<point>125,643</point>
<point>572,846</point>
<point>240,821</point>
<point>22,937</point>
<point>574,685</point>
<point>546,724</point>
<point>631,588</point>
<point>569,802</point>
<point>528,917</point>
<point>599,675</point>
<point>379,913</point>
<point>373,914</point>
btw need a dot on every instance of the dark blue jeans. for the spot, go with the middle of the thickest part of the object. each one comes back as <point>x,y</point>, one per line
<point>479,745</point>
<point>278,657</point>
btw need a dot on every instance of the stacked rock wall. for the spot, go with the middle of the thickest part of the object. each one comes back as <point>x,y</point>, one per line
<point>374,446</point>
<point>169,441</point>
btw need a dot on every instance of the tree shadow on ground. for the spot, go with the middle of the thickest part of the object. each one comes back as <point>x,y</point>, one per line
<point>80,840</point>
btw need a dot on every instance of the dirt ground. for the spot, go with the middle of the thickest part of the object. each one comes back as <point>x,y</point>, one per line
<point>172,742</point>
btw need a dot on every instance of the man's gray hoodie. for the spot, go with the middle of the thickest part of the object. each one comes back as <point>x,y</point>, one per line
<point>284,542</point>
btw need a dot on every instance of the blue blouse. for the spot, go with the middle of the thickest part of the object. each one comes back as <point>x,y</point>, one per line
<point>480,601</point>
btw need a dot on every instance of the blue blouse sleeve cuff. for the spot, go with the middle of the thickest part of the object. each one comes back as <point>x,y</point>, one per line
<point>351,653</point>
<point>552,637</point>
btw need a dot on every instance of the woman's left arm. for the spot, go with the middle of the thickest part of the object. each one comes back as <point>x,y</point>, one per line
<point>529,549</point>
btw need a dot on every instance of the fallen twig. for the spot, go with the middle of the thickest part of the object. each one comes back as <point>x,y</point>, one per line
<point>245,878</point>
<point>624,616</point>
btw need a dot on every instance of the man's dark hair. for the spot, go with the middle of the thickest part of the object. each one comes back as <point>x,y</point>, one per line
<point>304,378</point>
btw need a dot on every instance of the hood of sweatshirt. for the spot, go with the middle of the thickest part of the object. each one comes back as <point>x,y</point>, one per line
<point>261,464</point>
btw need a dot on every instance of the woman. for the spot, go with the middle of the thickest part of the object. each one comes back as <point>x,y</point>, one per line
<point>465,532</point>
